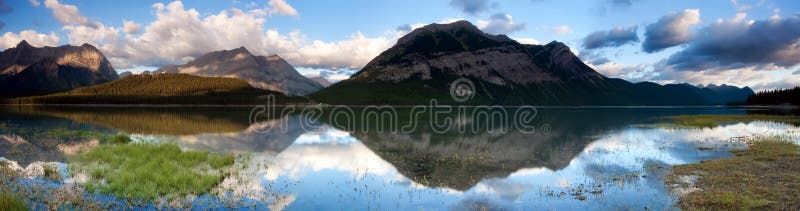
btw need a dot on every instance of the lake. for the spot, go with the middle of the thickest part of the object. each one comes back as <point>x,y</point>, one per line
<point>563,158</point>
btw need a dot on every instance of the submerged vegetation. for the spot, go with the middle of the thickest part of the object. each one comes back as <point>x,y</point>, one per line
<point>10,202</point>
<point>148,171</point>
<point>716,120</point>
<point>761,177</point>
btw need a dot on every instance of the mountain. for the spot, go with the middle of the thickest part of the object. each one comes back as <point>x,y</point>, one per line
<point>728,94</point>
<point>27,70</point>
<point>164,89</point>
<point>125,74</point>
<point>424,63</point>
<point>322,81</point>
<point>265,72</point>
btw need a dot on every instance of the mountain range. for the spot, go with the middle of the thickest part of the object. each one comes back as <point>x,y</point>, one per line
<point>265,72</point>
<point>421,66</point>
<point>27,70</point>
<point>426,61</point>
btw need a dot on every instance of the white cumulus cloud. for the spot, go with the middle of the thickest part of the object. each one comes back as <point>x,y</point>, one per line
<point>131,27</point>
<point>65,13</point>
<point>11,39</point>
<point>280,7</point>
<point>179,34</point>
<point>500,23</point>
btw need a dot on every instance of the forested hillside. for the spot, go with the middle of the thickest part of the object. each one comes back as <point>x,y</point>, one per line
<point>164,89</point>
<point>776,97</point>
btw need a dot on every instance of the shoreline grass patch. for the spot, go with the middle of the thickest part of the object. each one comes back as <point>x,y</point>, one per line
<point>150,171</point>
<point>711,120</point>
<point>764,176</point>
<point>11,202</point>
<point>105,138</point>
<point>51,172</point>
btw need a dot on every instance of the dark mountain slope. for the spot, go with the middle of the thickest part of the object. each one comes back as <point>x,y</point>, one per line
<point>265,72</point>
<point>424,63</point>
<point>27,70</point>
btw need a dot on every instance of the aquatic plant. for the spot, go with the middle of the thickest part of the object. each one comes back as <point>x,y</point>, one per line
<point>11,202</point>
<point>149,171</point>
<point>103,137</point>
<point>51,172</point>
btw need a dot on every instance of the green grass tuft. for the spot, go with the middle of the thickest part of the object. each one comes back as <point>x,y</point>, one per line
<point>119,139</point>
<point>51,172</point>
<point>147,171</point>
<point>11,202</point>
<point>105,138</point>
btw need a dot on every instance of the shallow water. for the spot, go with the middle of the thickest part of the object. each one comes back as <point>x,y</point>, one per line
<point>578,158</point>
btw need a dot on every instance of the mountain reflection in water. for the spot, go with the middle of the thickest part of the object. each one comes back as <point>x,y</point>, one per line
<point>589,157</point>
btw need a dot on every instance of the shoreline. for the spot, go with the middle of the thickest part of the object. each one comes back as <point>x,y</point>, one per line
<point>763,176</point>
<point>399,106</point>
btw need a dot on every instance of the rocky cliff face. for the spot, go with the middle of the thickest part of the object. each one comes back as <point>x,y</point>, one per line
<point>462,49</point>
<point>27,70</point>
<point>265,72</point>
<point>423,64</point>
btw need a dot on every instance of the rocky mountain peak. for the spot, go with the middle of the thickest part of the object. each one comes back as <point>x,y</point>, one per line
<point>26,70</point>
<point>556,46</point>
<point>274,57</point>
<point>265,72</point>
<point>23,44</point>
<point>427,60</point>
<point>458,29</point>
<point>462,49</point>
<point>89,46</point>
<point>241,49</point>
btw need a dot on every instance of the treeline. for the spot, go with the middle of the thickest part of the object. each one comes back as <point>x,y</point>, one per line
<point>776,97</point>
<point>168,85</point>
<point>165,89</point>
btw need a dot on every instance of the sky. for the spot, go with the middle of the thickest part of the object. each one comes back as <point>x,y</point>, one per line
<point>752,43</point>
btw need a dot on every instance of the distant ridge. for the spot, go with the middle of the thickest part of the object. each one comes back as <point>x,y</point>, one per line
<point>265,72</point>
<point>322,81</point>
<point>423,64</point>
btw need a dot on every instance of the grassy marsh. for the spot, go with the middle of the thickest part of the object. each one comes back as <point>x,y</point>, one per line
<point>105,138</point>
<point>11,202</point>
<point>148,171</point>
<point>764,176</point>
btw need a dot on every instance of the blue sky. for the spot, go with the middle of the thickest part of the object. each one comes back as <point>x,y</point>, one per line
<point>336,38</point>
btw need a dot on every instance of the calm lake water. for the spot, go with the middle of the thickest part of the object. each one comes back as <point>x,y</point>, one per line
<point>578,158</point>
